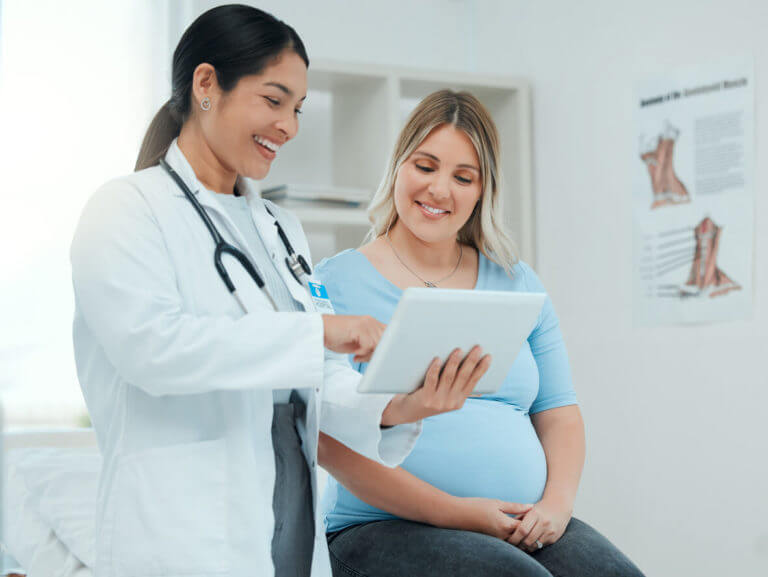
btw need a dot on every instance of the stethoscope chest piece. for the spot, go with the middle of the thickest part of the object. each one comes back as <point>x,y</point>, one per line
<point>295,263</point>
<point>298,267</point>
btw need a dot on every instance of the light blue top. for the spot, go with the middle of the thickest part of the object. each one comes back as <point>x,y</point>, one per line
<point>489,447</point>
<point>238,210</point>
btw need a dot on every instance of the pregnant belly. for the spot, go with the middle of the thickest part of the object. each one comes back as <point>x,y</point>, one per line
<point>486,449</point>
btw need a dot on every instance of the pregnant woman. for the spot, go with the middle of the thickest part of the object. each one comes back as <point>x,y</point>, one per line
<point>488,489</point>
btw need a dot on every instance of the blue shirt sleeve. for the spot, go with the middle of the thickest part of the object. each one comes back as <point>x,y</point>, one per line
<point>548,348</point>
<point>329,272</point>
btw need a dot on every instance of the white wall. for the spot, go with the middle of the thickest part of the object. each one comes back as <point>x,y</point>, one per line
<point>676,469</point>
<point>78,86</point>
<point>422,33</point>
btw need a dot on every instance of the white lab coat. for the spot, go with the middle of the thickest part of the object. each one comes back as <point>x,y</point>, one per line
<point>179,381</point>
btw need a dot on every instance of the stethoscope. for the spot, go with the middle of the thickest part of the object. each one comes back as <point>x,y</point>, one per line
<point>297,264</point>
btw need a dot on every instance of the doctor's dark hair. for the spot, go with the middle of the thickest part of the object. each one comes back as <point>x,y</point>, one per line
<point>235,39</point>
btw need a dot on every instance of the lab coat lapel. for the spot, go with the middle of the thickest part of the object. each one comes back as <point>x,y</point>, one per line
<point>208,200</point>
<point>266,225</point>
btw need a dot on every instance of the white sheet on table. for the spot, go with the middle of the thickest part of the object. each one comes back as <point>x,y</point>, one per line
<point>49,509</point>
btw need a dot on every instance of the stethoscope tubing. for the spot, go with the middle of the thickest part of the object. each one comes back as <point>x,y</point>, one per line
<point>296,264</point>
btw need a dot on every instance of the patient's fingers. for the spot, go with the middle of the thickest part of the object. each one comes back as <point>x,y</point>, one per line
<point>529,543</point>
<point>477,373</point>
<point>509,526</point>
<point>432,376</point>
<point>516,509</point>
<point>523,529</point>
<point>448,373</point>
<point>466,368</point>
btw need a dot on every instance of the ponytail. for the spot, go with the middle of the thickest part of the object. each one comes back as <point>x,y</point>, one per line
<point>161,132</point>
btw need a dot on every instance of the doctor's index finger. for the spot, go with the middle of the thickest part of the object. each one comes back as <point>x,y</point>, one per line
<point>362,357</point>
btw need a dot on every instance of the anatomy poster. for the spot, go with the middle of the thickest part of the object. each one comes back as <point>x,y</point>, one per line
<point>693,199</point>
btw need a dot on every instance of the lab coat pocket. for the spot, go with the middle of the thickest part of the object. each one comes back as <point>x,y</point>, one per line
<point>171,512</point>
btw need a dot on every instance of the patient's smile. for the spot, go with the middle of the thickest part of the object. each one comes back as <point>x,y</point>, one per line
<point>433,211</point>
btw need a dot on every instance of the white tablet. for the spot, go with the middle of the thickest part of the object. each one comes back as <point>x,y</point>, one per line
<point>431,322</point>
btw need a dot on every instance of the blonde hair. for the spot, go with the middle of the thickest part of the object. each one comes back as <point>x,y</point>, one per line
<point>484,229</point>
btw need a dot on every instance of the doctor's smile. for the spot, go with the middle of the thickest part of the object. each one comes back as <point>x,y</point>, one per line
<point>266,147</point>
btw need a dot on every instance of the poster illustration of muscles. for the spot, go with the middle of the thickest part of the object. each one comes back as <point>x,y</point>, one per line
<point>692,196</point>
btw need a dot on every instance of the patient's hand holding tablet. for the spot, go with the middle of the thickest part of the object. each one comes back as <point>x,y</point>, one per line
<point>430,324</point>
<point>445,387</point>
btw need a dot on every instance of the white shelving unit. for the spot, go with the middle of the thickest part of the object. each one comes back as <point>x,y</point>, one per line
<point>352,116</point>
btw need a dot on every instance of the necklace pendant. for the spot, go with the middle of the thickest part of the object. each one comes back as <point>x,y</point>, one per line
<point>429,284</point>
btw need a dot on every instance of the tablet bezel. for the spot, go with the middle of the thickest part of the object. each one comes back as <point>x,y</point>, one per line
<point>510,318</point>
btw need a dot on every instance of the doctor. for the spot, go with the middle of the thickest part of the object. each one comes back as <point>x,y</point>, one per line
<point>200,333</point>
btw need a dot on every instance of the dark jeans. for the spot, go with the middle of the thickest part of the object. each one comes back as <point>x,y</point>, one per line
<point>401,548</point>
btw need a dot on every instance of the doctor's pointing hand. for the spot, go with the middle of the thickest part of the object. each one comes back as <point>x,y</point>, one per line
<point>354,335</point>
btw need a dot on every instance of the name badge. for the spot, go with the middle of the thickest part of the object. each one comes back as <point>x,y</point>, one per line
<point>320,297</point>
